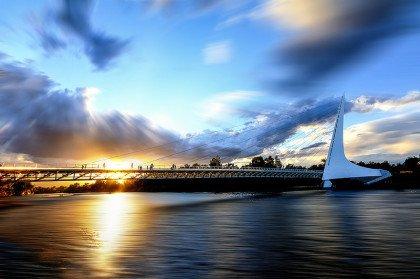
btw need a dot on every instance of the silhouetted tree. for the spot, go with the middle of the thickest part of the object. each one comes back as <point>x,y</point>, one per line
<point>269,162</point>
<point>20,188</point>
<point>277,162</point>
<point>215,162</point>
<point>104,186</point>
<point>231,166</point>
<point>289,166</point>
<point>412,163</point>
<point>319,166</point>
<point>257,162</point>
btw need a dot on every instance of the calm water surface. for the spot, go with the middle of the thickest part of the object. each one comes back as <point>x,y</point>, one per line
<point>165,235</point>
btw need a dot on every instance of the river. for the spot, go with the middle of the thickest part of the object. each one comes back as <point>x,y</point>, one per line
<point>192,235</point>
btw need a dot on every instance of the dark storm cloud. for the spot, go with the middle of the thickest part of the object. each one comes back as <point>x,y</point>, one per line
<point>38,120</point>
<point>74,18</point>
<point>350,30</point>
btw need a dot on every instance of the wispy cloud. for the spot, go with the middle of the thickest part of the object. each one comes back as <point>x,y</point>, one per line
<point>228,104</point>
<point>192,5</point>
<point>369,103</point>
<point>258,12</point>
<point>217,53</point>
<point>314,145</point>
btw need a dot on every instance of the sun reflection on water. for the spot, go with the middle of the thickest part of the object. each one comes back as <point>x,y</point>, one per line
<point>112,213</point>
<point>112,225</point>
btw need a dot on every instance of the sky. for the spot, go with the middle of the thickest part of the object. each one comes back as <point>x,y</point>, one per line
<point>180,81</point>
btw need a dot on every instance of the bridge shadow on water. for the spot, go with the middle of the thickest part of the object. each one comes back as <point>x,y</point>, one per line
<point>258,185</point>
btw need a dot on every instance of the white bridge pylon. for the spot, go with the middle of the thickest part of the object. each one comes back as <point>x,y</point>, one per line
<point>338,167</point>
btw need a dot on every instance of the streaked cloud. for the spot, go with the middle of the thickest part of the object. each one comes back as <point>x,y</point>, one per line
<point>307,146</point>
<point>271,130</point>
<point>315,145</point>
<point>192,5</point>
<point>44,122</point>
<point>390,138</point>
<point>369,103</point>
<point>332,34</point>
<point>256,13</point>
<point>47,37</point>
<point>324,36</point>
<point>73,19</point>
<point>217,53</point>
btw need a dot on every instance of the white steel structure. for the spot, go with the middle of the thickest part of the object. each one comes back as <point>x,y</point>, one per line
<point>339,168</point>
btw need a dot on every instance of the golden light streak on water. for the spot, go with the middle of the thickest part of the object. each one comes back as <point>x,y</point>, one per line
<point>112,221</point>
<point>111,226</point>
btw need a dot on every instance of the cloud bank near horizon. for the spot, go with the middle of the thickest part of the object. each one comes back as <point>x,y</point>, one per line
<point>43,122</point>
<point>387,138</point>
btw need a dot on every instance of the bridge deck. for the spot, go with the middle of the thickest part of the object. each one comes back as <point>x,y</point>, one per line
<point>77,174</point>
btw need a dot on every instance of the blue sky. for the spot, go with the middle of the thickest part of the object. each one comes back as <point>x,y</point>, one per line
<point>188,68</point>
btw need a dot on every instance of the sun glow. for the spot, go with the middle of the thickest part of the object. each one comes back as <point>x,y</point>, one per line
<point>115,217</point>
<point>112,214</point>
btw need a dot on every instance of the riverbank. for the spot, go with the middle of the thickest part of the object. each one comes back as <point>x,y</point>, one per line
<point>216,185</point>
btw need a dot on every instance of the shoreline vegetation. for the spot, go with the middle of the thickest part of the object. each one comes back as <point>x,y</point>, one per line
<point>405,175</point>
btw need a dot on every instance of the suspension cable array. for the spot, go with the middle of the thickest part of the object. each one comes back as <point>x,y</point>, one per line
<point>305,142</point>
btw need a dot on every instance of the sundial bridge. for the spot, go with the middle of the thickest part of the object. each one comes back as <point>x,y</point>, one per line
<point>338,169</point>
